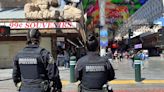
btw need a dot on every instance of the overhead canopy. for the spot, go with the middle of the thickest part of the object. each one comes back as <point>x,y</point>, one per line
<point>117,11</point>
<point>12,13</point>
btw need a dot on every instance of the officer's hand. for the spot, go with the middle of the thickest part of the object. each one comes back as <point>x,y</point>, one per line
<point>19,85</point>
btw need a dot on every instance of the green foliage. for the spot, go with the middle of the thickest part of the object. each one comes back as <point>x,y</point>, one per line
<point>117,1</point>
<point>87,3</point>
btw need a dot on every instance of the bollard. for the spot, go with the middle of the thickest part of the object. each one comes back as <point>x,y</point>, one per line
<point>72,68</point>
<point>137,64</point>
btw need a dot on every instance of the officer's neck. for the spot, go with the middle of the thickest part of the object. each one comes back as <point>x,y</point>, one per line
<point>92,52</point>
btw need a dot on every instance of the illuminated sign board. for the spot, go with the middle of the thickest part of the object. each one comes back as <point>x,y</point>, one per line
<point>138,46</point>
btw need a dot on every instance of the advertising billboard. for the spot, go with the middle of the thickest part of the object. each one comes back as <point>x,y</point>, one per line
<point>137,46</point>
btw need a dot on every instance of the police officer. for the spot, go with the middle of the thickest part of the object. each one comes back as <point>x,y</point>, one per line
<point>34,68</point>
<point>92,70</point>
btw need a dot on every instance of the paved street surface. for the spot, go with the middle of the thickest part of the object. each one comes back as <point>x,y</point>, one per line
<point>152,75</point>
<point>153,69</point>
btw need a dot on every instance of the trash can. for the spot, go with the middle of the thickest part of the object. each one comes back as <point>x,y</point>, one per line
<point>72,68</point>
<point>137,64</point>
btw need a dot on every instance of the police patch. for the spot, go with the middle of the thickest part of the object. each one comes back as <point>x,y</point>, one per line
<point>92,68</point>
<point>27,61</point>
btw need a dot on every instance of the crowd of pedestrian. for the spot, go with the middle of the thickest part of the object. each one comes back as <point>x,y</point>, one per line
<point>63,57</point>
<point>140,55</point>
<point>117,56</point>
<point>130,55</point>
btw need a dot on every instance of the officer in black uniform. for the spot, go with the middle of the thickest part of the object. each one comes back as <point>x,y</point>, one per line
<point>92,70</point>
<point>34,68</point>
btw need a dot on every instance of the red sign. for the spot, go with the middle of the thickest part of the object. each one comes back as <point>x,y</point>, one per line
<point>2,30</point>
<point>39,25</point>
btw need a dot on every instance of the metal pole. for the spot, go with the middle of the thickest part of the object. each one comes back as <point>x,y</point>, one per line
<point>102,12</point>
<point>102,23</point>
<point>129,39</point>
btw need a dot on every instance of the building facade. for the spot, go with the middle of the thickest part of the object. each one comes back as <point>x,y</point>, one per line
<point>12,15</point>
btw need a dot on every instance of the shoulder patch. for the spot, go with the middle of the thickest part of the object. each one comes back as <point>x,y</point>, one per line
<point>51,59</point>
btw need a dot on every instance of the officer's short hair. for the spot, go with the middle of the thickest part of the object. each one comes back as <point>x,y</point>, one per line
<point>92,43</point>
<point>33,35</point>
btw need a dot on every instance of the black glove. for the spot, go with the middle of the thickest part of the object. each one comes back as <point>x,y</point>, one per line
<point>59,90</point>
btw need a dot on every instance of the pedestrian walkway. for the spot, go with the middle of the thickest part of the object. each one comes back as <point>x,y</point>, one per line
<point>153,69</point>
<point>152,75</point>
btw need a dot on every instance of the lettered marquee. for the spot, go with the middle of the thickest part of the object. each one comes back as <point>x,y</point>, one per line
<point>39,25</point>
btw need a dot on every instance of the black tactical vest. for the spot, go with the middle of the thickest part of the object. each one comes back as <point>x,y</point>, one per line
<point>94,76</point>
<point>31,64</point>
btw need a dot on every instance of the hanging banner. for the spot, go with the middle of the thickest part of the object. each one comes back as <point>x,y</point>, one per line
<point>39,24</point>
<point>103,37</point>
<point>104,41</point>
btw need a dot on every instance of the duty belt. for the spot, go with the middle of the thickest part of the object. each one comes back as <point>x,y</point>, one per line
<point>33,83</point>
<point>31,86</point>
<point>85,89</point>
